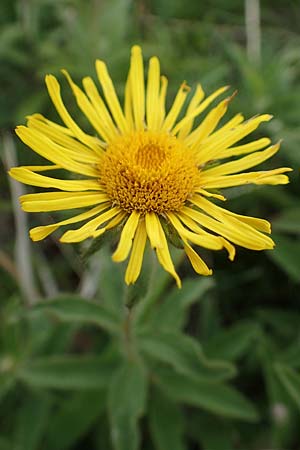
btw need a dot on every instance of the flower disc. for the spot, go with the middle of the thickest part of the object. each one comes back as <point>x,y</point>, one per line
<point>148,171</point>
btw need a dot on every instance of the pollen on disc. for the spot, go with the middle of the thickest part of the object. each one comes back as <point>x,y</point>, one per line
<point>148,171</point>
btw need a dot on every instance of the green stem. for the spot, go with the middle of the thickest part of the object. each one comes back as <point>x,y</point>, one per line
<point>127,333</point>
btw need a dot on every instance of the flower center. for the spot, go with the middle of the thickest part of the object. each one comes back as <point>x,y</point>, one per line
<point>148,171</point>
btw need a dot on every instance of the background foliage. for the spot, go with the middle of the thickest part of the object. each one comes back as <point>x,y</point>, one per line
<point>214,366</point>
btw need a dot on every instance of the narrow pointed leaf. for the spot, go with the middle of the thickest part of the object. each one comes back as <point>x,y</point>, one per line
<point>68,372</point>
<point>217,398</point>
<point>165,423</point>
<point>172,311</point>
<point>78,310</point>
<point>33,415</point>
<point>126,403</point>
<point>184,354</point>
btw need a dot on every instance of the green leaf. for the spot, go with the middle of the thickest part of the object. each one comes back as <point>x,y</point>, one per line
<point>286,255</point>
<point>69,372</point>
<point>232,343</point>
<point>74,418</point>
<point>126,403</point>
<point>290,379</point>
<point>217,398</point>
<point>165,422</point>
<point>33,415</point>
<point>184,354</point>
<point>171,312</point>
<point>69,308</point>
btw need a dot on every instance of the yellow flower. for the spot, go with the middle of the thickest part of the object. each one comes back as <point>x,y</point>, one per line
<point>146,168</point>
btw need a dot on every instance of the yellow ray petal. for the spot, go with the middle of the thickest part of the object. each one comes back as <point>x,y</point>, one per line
<point>111,96</point>
<point>88,230</point>
<point>53,152</point>
<point>162,99</point>
<point>231,124</point>
<point>229,247</point>
<point>236,231</point>
<point>200,231</point>
<point>218,213</point>
<point>39,233</point>
<point>176,107</point>
<point>198,264</point>
<point>214,144</point>
<point>26,176</point>
<point>136,257</point>
<point>99,106</point>
<point>245,148</point>
<point>127,235</point>
<point>57,201</point>
<point>194,103</point>
<point>207,241</point>
<point>153,230</point>
<point>275,178</point>
<point>153,113</point>
<point>114,222</point>
<point>59,128</point>
<point>137,86</point>
<point>186,120</point>
<point>208,124</point>
<point>128,111</point>
<point>72,147</point>
<point>243,163</point>
<point>164,256</point>
<point>96,120</point>
<point>43,168</point>
<point>54,92</point>
<point>260,177</point>
<point>210,194</point>
<point>96,234</point>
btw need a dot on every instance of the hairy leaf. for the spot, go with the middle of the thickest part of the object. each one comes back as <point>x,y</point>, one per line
<point>184,354</point>
<point>165,422</point>
<point>171,312</point>
<point>126,403</point>
<point>74,309</point>
<point>68,372</point>
<point>218,398</point>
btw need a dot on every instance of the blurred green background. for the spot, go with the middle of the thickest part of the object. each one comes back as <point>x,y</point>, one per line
<point>247,316</point>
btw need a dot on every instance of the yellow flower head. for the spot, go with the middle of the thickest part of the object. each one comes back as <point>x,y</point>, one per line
<point>145,167</point>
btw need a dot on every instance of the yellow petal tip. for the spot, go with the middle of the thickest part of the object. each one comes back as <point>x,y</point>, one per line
<point>178,282</point>
<point>136,49</point>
